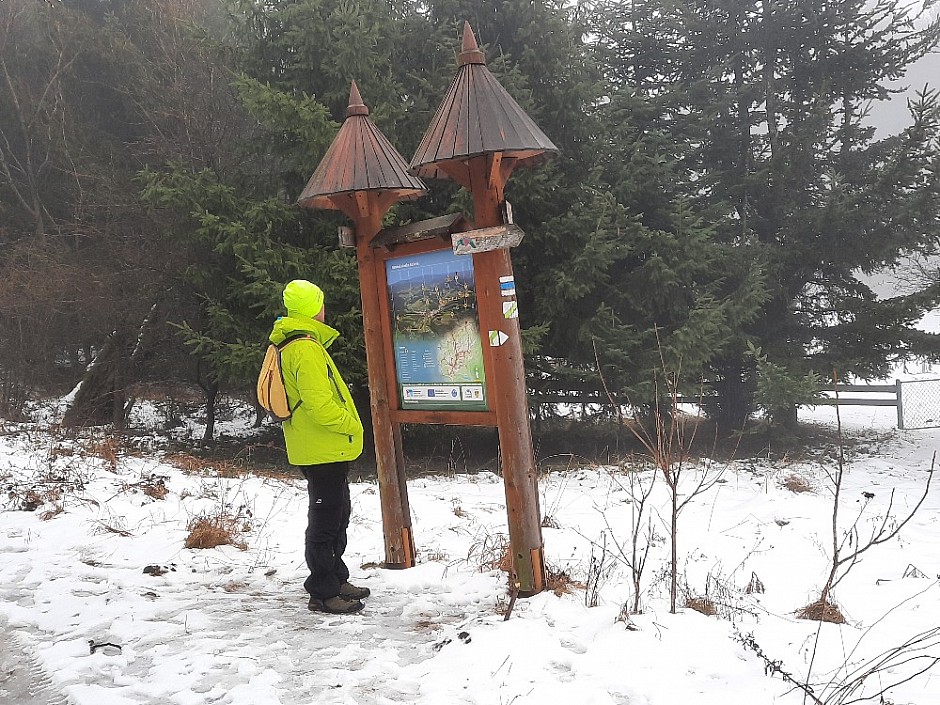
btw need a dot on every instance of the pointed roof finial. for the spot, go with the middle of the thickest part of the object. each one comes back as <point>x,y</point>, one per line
<point>359,160</point>
<point>356,106</point>
<point>469,50</point>
<point>477,117</point>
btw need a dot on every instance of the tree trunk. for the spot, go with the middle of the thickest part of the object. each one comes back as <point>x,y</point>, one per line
<point>211,389</point>
<point>734,388</point>
<point>100,398</point>
<point>786,418</point>
<point>674,540</point>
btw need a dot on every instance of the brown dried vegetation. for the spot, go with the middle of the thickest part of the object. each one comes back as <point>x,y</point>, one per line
<point>703,605</point>
<point>797,484</point>
<point>822,611</point>
<point>560,583</point>
<point>192,465</point>
<point>213,531</point>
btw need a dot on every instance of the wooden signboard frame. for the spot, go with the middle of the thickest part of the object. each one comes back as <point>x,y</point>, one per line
<point>423,416</point>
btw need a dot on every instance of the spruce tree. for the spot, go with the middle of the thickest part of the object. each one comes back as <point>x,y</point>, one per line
<point>770,99</point>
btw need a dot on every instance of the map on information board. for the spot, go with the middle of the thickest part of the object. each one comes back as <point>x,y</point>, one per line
<point>436,332</point>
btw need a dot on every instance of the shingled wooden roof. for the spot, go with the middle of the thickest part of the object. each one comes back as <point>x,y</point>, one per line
<point>478,116</point>
<point>359,159</point>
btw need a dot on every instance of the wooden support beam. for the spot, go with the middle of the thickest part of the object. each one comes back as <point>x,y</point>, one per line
<point>363,205</point>
<point>495,181</point>
<point>505,375</point>
<point>393,489</point>
<point>458,171</point>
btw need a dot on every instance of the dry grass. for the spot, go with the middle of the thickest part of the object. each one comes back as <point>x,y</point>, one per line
<point>797,484</point>
<point>822,611</point>
<point>108,449</point>
<point>104,528</point>
<point>155,488</point>
<point>492,553</point>
<point>192,465</point>
<point>212,531</point>
<point>55,511</point>
<point>560,583</point>
<point>437,556</point>
<point>755,585</point>
<point>703,605</point>
<point>31,499</point>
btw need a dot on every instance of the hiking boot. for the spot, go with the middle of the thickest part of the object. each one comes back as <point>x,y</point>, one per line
<point>350,592</point>
<point>334,605</point>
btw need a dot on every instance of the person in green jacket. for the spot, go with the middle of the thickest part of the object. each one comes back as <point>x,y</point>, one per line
<point>323,434</point>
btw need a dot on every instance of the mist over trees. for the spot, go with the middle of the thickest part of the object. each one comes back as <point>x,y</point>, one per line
<point>715,200</point>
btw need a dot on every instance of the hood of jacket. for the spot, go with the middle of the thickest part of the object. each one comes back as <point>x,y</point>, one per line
<point>286,326</point>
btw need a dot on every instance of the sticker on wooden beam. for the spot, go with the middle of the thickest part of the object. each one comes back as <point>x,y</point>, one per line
<point>510,309</point>
<point>497,338</point>
<point>507,286</point>
<point>486,239</point>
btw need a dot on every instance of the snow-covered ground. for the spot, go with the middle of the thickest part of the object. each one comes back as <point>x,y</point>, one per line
<point>95,555</point>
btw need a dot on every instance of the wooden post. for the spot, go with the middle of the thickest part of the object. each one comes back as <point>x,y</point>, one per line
<point>900,403</point>
<point>393,492</point>
<point>506,384</point>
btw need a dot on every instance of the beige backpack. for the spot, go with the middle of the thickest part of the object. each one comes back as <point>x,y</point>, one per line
<point>271,392</point>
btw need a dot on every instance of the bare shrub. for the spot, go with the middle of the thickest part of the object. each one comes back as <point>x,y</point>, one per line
<point>599,569</point>
<point>493,552</point>
<point>669,446</point>
<point>721,599</point>
<point>642,534</point>
<point>868,679</point>
<point>848,545</point>
<point>48,489</point>
<point>13,397</point>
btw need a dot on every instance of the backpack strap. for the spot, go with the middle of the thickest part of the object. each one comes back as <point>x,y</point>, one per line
<point>329,371</point>
<point>299,336</point>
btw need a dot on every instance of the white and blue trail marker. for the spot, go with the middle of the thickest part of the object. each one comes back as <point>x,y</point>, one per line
<point>507,285</point>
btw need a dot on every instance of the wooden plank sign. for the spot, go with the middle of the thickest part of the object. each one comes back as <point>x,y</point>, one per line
<point>486,239</point>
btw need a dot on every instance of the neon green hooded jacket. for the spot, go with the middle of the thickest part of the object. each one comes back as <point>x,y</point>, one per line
<point>325,427</point>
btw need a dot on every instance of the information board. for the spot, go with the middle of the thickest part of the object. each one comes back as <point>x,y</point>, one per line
<point>436,332</point>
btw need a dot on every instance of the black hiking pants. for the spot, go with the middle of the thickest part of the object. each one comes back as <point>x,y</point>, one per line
<point>327,519</point>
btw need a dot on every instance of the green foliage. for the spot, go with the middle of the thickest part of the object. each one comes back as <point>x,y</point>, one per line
<point>778,389</point>
<point>716,183</point>
<point>238,267</point>
<point>298,127</point>
<point>765,106</point>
